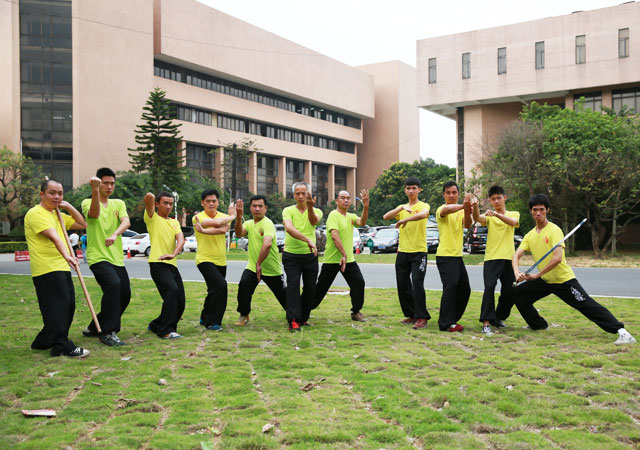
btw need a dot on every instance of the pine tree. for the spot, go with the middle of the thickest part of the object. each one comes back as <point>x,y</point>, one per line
<point>158,140</point>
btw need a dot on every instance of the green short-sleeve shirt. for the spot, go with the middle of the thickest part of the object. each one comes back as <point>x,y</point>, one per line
<point>256,233</point>
<point>300,221</point>
<point>100,228</point>
<point>344,224</point>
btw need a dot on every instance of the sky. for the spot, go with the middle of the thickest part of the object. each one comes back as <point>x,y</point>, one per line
<point>358,32</point>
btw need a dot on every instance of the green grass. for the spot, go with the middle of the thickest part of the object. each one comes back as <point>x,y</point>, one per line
<point>368,385</point>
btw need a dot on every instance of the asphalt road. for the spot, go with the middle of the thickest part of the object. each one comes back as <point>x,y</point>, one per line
<point>596,281</point>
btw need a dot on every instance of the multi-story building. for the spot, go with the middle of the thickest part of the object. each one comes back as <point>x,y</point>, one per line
<point>78,73</point>
<point>482,78</point>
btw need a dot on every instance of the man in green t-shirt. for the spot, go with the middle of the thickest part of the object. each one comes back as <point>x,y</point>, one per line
<point>300,256</point>
<point>338,255</point>
<point>167,241</point>
<point>264,258</point>
<point>107,219</point>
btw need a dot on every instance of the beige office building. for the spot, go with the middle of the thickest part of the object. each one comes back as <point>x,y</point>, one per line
<point>481,79</point>
<point>79,72</point>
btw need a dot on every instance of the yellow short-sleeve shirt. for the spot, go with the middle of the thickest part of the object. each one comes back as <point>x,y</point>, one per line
<point>211,248</point>
<point>413,236</point>
<point>43,253</point>
<point>500,237</point>
<point>451,233</point>
<point>539,243</point>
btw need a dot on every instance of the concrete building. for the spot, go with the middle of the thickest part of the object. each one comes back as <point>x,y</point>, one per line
<point>79,72</point>
<point>481,79</point>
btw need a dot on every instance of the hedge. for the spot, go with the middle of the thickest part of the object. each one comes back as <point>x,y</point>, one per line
<point>10,247</point>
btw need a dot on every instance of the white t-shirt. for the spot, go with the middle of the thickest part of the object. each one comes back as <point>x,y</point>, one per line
<point>73,237</point>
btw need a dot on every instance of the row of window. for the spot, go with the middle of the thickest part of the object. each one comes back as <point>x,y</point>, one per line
<point>580,56</point>
<point>189,114</point>
<point>205,81</point>
<point>620,98</point>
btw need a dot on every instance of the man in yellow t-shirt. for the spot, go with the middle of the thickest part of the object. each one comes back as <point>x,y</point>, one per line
<point>50,261</point>
<point>167,241</point>
<point>555,277</point>
<point>452,219</point>
<point>338,255</point>
<point>264,257</point>
<point>500,225</point>
<point>107,219</point>
<point>211,257</point>
<point>300,256</point>
<point>411,260</point>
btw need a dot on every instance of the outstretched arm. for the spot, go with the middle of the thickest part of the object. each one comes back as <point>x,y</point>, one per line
<point>362,220</point>
<point>80,222</point>
<point>239,228</point>
<point>150,204</point>
<point>94,208</point>
<point>311,202</point>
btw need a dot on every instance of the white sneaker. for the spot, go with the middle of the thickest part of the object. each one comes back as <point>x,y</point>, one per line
<point>486,330</point>
<point>625,338</point>
<point>172,335</point>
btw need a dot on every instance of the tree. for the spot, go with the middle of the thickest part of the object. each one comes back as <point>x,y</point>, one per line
<point>235,161</point>
<point>388,191</point>
<point>20,181</point>
<point>158,139</point>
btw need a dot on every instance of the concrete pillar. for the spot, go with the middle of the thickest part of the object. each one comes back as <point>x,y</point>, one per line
<point>351,182</point>
<point>253,172</point>
<point>218,157</point>
<point>308,173</point>
<point>332,182</point>
<point>568,101</point>
<point>607,98</point>
<point>282,175</point>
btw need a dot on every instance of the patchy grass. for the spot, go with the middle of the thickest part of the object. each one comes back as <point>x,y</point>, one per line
<point>338,384</point>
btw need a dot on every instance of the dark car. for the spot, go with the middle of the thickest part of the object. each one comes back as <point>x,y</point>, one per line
<point>477,241</point>
<point>385,240</point>
<point>433,239</point>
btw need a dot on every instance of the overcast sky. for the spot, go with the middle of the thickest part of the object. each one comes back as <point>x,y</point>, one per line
<point>359,32</point>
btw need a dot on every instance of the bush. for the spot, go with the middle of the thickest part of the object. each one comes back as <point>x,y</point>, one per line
<point>10,247</point>
<point>17,232</point>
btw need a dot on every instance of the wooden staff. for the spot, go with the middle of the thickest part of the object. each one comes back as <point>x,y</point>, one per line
<point>77,267</point>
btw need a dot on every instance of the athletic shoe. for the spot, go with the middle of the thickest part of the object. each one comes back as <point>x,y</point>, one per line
<point>77,352</point>
<point>455,327</point>
<point>87,332</point>
<point>172,335</point>
<point>625,338</point>
<point>420,323</point>
<point>111,339</point>
<point>305,324</point>
<point>499,324</point>
<point>214,327</point>
<point>201,322</point>
<point>242,321</point>
<point>486,330</point>
<point>294,327</point>
<point>409,321</point>
<point>358,317</point>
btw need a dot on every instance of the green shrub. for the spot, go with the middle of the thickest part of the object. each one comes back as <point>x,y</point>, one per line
<point>10,247</point>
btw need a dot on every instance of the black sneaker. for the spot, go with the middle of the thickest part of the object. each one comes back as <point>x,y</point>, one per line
<point>87,332</point>
<point>112,340</point>
<point>499,324</point>
<point>77,352</point>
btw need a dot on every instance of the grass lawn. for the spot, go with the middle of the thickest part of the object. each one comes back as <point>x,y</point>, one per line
<point>339,384</point>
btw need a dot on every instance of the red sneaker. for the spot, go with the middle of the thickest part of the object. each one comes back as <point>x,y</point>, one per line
<point>409,321</point>
<point>420,323</point>
<point>455,327</point>
<point>293,326</point>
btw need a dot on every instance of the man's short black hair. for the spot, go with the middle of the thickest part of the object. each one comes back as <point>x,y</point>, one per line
<point>105,172</point>
<point>449,184</point>
<point>259,197</point>
<point>45,184</point>
<point>164,194</point>
<point>539,199</point>
<point>208,192</point>
<point>413,181</point>
<point>495,189</point>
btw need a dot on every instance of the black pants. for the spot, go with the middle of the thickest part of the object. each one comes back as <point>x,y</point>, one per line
<point>492,271</point>
<point>57,301</point>
<point>215,303</point>
<point>247,287</point>
<point>411,269</point>
<point>295,266</point>
<point>352,276</point>
<point>116,295</point>
<point>169,283</point>
<point>455,290</point>
<point>570,292</point>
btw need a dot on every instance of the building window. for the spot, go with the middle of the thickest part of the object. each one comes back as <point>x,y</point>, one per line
<point>539,55</point>
<point>623,43</point>
<point>502,60</point>
<point>581,49</point>
<point>267,175</point>
<point>242,173</point>
<point>466,66</point>
<point>295,173</point>
<point>189,114</point>
<point>320,183</point>
<point>626,97</point>
<point>340,179</point>
<point>201,160</point>
<point>432,70</point>
<point>592,100</point>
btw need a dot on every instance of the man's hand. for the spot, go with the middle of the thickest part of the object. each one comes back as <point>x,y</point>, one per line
<point>343,263</point>
<point>165,257</point>
<point>532,276</point>
<point>239,208</point>
<point>401,223</point>
<point>258,271</point>
<point>198,225</point>
<point>364,196</point>
<point>312,247</point>
<point>467,199</point>
<point>65,205</point>
<point>95,183</point>
<point>311,201</point>
<point>491,213</point>
<point>110,240</point>
<point>72,261</point>
<point>474,201</point>
<point>232,209</point>
<point>406,208</point>
<point>520,277</point>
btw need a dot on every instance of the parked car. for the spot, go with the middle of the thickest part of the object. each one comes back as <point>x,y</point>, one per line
<point>477,242</point>
<point>371,232</point>
<point>321,240</point>
<point>280,237</point>
<point>128,234</point>
<point>190,244</point>
<point>358,245</point>
<point>433,239</point>
<point>385,240</point>
<point>139,243</point>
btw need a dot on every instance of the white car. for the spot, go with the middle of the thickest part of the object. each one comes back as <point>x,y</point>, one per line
<point>190,244</point>
<point>139,243</point>
<point>128,234</point>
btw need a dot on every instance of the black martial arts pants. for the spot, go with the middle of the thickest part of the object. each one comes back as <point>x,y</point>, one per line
<point>492,271</point>
<point>411,269</point>
<point>215,303</point>
<point>352,276</point>
<point>169,283</point>
<point>455,290</point>
<point>296,266</point>
<point>116,295</point>
<point>247,286</point>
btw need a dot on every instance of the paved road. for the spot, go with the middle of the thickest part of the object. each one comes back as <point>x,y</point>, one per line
<point>597,281</point>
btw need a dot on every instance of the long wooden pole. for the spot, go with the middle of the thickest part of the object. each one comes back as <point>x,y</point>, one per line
<point>77,267</point>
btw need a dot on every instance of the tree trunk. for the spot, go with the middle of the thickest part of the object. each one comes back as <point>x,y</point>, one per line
<point>614,226</point>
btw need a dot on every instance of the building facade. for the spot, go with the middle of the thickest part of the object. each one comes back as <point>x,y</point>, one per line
<point>481,79</point>
<point>81,71</point>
